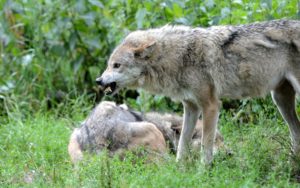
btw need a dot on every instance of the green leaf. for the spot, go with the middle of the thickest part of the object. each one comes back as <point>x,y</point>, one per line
<point>96,3</point>
<point>225,12</point>
<point>209,4</point>
<point>139,17</point>
<point>177,10</point>
<point>239,2</point>
<point>76,64</point>
<point>72,41</point>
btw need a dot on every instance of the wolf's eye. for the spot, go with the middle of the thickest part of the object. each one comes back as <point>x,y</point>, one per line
<point>116,65</point>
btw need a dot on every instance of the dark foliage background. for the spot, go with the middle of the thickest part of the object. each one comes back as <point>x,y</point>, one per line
<point>52,50</point>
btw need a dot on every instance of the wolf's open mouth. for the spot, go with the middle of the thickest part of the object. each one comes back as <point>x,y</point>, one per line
<point>110,88</point>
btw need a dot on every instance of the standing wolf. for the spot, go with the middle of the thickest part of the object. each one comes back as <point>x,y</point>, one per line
<point>199,66</point>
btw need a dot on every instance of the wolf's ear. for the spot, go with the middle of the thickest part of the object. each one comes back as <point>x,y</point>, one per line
<point>176,128</point>
<point>124,107</point>
<point>145,51</point>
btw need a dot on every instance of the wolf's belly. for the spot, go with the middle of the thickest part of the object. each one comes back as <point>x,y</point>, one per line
<point>251,87</point>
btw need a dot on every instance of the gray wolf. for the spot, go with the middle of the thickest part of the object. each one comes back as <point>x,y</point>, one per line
<point>91,135</point>
<point>113,128</point>
<point>200,66</point>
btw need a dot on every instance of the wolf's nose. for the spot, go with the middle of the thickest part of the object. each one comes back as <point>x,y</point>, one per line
<point>99,81</point>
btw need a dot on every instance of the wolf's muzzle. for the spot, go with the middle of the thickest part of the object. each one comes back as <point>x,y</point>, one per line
<point>99,81</point>
<point>108,88</point>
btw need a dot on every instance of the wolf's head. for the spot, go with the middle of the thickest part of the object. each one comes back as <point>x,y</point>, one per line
<point>127,64</point>
<point>107,110</point>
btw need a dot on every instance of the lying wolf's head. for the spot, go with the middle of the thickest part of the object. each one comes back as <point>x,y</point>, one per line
<point>126,65</point>
<point>108,111</point>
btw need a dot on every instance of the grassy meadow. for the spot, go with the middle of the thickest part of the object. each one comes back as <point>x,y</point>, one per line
<point>52,51</point>
<point>34,154</point>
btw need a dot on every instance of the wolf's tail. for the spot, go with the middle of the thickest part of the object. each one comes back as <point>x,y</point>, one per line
<point>74,148</point>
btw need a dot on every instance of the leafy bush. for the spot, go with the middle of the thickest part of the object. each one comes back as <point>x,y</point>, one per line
<point>54,50</point>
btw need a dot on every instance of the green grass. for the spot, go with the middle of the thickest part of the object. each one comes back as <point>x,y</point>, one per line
<point>51,53</point>
<point>33,153</point>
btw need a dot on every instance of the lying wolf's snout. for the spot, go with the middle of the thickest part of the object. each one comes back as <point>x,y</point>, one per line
<point>99,81</point>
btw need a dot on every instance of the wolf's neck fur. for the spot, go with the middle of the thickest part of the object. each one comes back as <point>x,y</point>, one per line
<point>163,72</point>
<point>165,80</point>
<point>178,52</point>
<point>157,79</point>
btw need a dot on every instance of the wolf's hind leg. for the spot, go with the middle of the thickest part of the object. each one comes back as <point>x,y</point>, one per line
<point>210,120</point>
<point>284,98</point>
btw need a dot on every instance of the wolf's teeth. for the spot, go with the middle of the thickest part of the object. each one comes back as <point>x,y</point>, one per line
<point>108,90</point>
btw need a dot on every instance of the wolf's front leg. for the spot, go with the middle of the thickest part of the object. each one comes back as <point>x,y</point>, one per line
<point>210,119</point>
<point>191,115</point>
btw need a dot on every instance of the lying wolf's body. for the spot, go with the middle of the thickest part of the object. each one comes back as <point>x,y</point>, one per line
<point>110,126</point>
<point>113,128</point>
<point>199,66</point>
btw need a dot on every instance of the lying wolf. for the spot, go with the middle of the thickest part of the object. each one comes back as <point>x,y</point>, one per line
<point>114,128</point>
<point>199,66</point>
